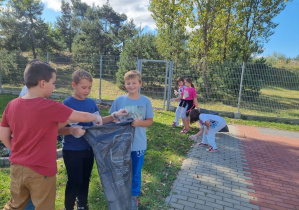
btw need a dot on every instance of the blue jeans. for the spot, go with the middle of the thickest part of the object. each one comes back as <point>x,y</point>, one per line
<point>137,163</point>
<point>29,206</point>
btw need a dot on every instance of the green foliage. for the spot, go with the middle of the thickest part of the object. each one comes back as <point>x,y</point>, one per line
<point>141,46</point>
<point>24,29</point>
<point>100,30</point>
<point>13,64</point>
<point>172,37</point>
<point>65,25</point>
<point>4,99</point>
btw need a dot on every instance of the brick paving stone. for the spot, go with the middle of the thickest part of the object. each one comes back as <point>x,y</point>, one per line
<point>204,176</point>
<point>273,161</point>
<point>249,168</point>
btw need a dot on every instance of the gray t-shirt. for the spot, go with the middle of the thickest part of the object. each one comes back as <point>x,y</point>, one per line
<point>138,109</point>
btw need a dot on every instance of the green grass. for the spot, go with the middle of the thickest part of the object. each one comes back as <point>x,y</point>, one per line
<point>264,124</point>
<point>4,99</point>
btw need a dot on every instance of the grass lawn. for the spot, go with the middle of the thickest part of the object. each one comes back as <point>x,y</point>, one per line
<point>167,148</point>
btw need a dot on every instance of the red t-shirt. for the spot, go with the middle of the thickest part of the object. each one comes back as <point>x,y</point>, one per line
<point>34,125</point>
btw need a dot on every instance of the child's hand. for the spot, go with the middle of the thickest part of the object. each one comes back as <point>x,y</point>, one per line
<point>77,131</point>
<point>121,112</point>
<point>136,123</point>
<point>193,137</point>
<point>207,131</point>
<point>172,99</point>
<point>98,121</point>
<point>176,92</point>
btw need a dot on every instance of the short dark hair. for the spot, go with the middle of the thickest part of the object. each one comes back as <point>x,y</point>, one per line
<point>194,115</point>
<point>37,70</point>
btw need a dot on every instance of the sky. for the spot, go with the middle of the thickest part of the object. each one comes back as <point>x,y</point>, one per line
<point>285,39</point>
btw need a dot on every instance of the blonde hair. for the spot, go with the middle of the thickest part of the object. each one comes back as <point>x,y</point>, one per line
<point>81,74</point>
<point>132,75</point>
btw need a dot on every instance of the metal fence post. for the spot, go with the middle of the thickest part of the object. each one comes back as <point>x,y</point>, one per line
<point>238,114</point>
<point>0,78</point>
<point>101,61</point>
<point>140,71</point>
<point>169,84</point>
<point>47,57</point>
<point>165,85</point>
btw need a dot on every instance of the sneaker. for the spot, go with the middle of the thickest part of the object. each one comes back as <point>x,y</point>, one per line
<point>203,145</point>
<point>193,137</point>
<point>173,124</point>
<point>212,150</point>
<point>184,130</point>
<point>134,203</point>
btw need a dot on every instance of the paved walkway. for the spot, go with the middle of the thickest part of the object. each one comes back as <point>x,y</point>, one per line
<point>255,168</point>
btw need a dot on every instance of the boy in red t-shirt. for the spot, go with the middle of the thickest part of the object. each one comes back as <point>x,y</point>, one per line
<point>34,122</point>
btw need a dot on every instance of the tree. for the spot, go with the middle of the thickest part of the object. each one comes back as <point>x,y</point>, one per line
<point>171,38</point>
<point>24,28</point>
<point>127,32</point>
<point>206,18</point>
<point>141,46</point>
<point>255,24</point>
<point>65,25</point>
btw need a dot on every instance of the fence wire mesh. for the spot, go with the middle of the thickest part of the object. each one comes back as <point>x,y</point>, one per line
<point>266,90</point>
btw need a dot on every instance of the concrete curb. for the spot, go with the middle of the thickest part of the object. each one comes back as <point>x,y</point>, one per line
<point>4,161</point>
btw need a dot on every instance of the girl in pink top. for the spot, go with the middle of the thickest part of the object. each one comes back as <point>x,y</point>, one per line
<point>188,101</point>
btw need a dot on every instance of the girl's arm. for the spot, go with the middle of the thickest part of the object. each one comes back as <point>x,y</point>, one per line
<point>196,103</point>
<point>177,98</point>
<point>200,132</point>
<point>143,123</point>
<point>208,126</point>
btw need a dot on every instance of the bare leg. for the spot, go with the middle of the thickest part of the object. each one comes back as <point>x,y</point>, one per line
<point>186,123</point>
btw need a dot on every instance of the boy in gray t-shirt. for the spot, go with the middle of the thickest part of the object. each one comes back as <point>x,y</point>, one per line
<point>140,109</point>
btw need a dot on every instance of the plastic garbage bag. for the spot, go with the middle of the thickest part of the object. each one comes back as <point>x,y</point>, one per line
<point>111,144</point>
<point>206,111</point>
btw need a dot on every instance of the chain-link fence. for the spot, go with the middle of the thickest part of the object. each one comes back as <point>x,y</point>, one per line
<point>265,90</point>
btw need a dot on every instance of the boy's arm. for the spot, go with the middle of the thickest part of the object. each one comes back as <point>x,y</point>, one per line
<point>5,136</point>
<point>77,116</point>
<point>75,131</point>
<point>143,123</point>
<point>65,131</point>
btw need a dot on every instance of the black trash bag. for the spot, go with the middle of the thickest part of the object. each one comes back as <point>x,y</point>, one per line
<point>111,144</point>
<point>206,111</point>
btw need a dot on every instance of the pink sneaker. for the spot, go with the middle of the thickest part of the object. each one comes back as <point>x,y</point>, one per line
<point>184,130</point>
<point>173,124</point>
<point>212,150</point>
<point>203,145</point>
